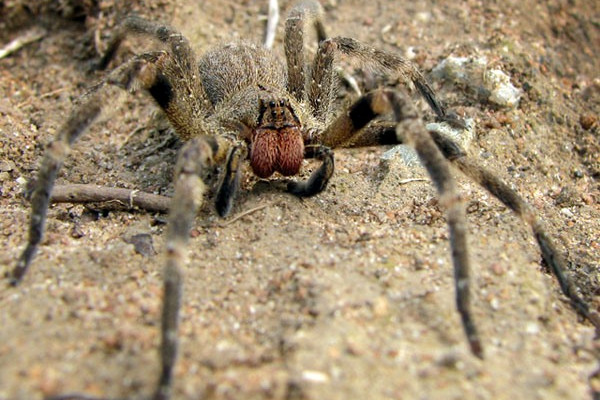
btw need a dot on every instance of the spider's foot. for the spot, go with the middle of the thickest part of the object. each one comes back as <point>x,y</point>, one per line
<point>17,274</point>
<point>476,348</point>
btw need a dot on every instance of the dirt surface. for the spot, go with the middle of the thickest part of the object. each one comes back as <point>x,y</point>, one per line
<point>346,295</point>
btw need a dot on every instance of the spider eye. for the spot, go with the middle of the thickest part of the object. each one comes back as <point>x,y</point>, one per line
<point>272,103</point>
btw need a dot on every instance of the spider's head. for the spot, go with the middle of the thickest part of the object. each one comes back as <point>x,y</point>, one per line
<point>276,142</point>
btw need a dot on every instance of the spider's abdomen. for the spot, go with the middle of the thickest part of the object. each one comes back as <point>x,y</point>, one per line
<point>229,69</point>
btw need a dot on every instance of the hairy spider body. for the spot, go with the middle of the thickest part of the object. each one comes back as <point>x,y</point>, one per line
<point>238,103</point>
<point>243,85</point>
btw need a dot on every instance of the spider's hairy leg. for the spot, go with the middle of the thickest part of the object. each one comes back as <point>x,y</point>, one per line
<point>319,178</point>
<point>80,119</point>
<point>299,19</point>
<point>173,283</point>
<point>350,128</point>
<point>171,79</point>
<point>503,192</point>
<point>402,67</point>
<point>195,157</point>
<point>230,181</point>
<point>177,43</point>
<point>322,82</point>
<point>439,170</point>
<point>53,159</point>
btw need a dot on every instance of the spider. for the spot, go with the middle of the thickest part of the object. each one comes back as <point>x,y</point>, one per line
<point>239,103</point>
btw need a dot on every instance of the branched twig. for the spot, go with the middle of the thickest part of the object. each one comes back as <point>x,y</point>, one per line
<point>86,193</point>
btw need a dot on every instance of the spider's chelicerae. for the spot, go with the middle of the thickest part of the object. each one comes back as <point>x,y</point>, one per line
<point>239,103</point>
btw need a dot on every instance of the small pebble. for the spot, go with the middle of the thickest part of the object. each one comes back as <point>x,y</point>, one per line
<point>587,121</point>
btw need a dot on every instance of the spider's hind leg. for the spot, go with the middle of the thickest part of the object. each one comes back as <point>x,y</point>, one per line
<point>177,43</point>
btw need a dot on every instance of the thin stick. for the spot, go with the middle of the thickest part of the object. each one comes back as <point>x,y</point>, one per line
<point>87,193</point>
<point>409,180</point>
<point>349,80</point>
<point>247,212</point>
<point>272,20</point>
<point>43,96</point>
<point>29,37</point>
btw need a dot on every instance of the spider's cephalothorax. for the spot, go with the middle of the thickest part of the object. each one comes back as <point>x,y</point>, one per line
<point>239,102</point>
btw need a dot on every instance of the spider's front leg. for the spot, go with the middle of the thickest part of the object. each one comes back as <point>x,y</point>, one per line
<point>439,170</point>
<point>195,157</point>
<point>352,129</point>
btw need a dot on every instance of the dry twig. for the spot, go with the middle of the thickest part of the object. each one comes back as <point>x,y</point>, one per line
<point>247,212</point>
<point>87,193</point>
<point>29,37</point>
<point>272,20</point>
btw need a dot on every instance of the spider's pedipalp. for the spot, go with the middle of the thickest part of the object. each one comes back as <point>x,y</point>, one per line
<point>318,180</point>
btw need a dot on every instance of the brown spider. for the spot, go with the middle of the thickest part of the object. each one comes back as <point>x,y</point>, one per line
<point>239,102</point>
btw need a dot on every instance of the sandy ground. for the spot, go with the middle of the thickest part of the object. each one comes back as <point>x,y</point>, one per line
<point>347,295</point>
